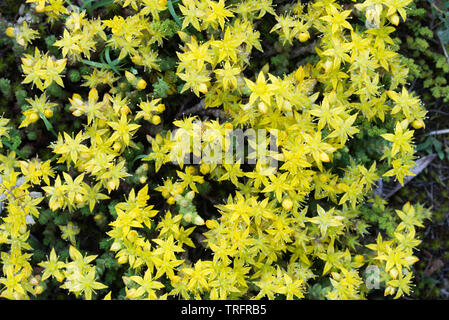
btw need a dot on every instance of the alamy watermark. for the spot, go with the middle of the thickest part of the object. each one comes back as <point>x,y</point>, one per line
<point>372,280</point>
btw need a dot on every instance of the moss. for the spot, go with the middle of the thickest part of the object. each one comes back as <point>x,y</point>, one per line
<point>167,27</point>
<point>56,91</point>
<point>161,88</point>
<point>49,41</point>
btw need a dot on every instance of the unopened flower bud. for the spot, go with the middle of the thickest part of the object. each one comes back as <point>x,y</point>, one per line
<point>187,217</point>
<point>359,259</point>
<point>142,179</point>
<point>40,8</point>
<point>394,273</point>
<point>198,221</point>
<point>190,170</point>
<point>395,19</point>
<point>137,59</point>
<point>171,201</point>
<point>287,204</point>
<point>212,224</point>
<point>418,124</point>
<point>204,168</point>
<point>127,281</point>
<point>84,155</point>
<point>155,120</point>
<point>116,246</point>
<point>132,235</point>
<point>38,289</point>
<point>99,218</point>
<point>262,107</point>
<point>34,281</point>
<point>141,84</point>
<point>179,189</point>
<point>79,198</point>
<point>130,77</point>
<point>22,229</point>
<point>48,113</point>
<point>102,123</point>
<point>190,195</point>
<point>389,290</point>
<point>122,260</point>
<point>125,110</point>
<point>324,157</point>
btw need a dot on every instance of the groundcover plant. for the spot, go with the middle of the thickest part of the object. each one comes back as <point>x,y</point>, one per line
<point>200,149</point>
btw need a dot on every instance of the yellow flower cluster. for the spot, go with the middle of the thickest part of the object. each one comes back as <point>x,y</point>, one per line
<point>39,107</point>
<point>264,220</point>
<point>79,36</point>
<point>79,274</point>
<point>283,226</point>
<point>19,205</point>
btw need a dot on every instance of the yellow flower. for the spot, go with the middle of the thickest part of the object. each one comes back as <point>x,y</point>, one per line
<point>69,232</point>
<point>70,147</point>
<point>123,130</point>
<point>52,267</point>
<point>42,70</point>
<point>260,90</point>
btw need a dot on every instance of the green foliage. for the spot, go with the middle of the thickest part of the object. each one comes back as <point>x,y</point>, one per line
<point>161,88</point>
<point>429,66</point>
<point>74,75</point>
<point>167,27</point>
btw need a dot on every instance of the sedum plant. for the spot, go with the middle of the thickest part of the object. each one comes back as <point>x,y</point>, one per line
<point>294,222</point>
